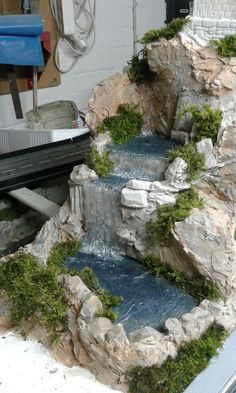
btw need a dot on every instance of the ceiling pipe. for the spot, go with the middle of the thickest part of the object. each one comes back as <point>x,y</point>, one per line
<point>135,27</point>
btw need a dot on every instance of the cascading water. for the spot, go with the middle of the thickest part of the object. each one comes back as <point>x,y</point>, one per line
<point>101,216</point>
<point>143,158</point>
<point>148,300</point>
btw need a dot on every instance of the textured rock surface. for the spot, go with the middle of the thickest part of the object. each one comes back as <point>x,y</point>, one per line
<point>82,174</point>
<point>101,141</point>
<point>205,147</point>
<point>207,237</point>
<point>112,92</point>
<point>60,228</point>
<point>134,198</point>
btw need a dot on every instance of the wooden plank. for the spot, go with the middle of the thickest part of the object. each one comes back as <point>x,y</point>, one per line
<point>12,7</point>
<point>14,91</point>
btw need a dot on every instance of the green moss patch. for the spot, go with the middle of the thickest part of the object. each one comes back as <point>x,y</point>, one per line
<point>34,291</point>
<point>175,375</point>
<point>206,120</point>
<point>139,71</point>
<point>62,252</point>
<point>199,288</point>
<point>13,212</point>
<point>159,228</point>
<point>226,46</point>
<point>125,125</point>
<point>195,161</point>
<point>168,32</point>
<point>101,164</point>
<point>106,297</point>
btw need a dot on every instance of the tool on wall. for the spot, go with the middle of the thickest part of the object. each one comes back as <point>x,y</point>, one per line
<point>20,45</point>
<point>75,20</point>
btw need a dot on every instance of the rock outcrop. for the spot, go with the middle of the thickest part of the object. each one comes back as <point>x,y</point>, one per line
<point>118,89</point>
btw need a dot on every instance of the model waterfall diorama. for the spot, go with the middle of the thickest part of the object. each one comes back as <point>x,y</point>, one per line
<point>152,279</point>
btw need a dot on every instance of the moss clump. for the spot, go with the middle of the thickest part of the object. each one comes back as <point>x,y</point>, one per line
<point>199,288</point>
<point>168,32</point>
<point>194,160</point>
<point>206,120</point>
<point>61,252</point>
<point>13,212</point>
<point>101,164</point>
<point>226,46</point>
<point>159,229</point>
<point>139,71</point>
<point>107,298</point>
<point>125,125</point>
<point>176,374</point>
<point>34,291</point>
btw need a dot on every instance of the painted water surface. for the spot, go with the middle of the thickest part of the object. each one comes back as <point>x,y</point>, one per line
<point>148,300</point>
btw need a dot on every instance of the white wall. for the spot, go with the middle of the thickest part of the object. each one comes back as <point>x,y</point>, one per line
<point>112,49</point>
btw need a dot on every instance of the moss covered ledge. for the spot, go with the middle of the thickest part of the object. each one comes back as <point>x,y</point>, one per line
<point>175,375</point>
<point>37,294</point>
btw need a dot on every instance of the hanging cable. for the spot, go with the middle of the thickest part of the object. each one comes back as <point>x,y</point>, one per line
<point>82,41</point>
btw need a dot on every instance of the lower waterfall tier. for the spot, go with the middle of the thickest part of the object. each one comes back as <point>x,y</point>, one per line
<point>148,300</point>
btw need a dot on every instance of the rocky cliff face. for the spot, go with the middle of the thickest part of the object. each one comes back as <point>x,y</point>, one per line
<point>186,73</point>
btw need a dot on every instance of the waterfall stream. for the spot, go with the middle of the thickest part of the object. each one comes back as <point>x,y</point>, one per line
<point>148,300</point>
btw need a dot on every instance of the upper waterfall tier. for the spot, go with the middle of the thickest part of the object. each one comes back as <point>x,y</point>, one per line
<point>142,158</point>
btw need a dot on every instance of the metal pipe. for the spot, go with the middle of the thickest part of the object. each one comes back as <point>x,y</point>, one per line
<point>35,87</point>
<point>135,27</point>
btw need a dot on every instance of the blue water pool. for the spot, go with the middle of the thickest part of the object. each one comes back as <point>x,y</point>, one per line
<point>148,300</point>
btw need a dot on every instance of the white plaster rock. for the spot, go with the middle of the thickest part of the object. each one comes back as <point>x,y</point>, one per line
<point>101,141</point>
<point>205,147</point>
<point>162,198</point>
<point>147,334</point>
<point>82,174</point>
<point>134,184</point>
<point>169,187</point>
<point>134,198</point>
<point>176,171</point>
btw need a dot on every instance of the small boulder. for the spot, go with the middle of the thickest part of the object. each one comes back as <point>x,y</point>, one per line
<point>136,199</point>
<point>82,174</point>
<point>176,171</point>
<point>205,147</point>
<point>139,185</point>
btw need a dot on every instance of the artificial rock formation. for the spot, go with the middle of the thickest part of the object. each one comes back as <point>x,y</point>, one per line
<point>203,244</point>
<point>112,92</point>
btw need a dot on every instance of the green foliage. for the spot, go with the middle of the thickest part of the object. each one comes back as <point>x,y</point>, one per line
<point>200,288</point>
<point>176,374</point>
<point>101,164</point>
<point>159,228</point>
<point>206,120</point>
<point>235,234</point>
<point>125,125</point>
<point>108,299</point>
<point>226,46</point>
<point>194,160</point>
<point>167,32</point>
<point>62,252</point>
<point>34,291</point>
<point>13,212</point>
<point>139,71</point>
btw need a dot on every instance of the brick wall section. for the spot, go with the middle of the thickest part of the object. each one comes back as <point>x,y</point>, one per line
<point>112,49</point>
<point>213,19</point>
<point>215,9</point>
<point>213,28</point>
